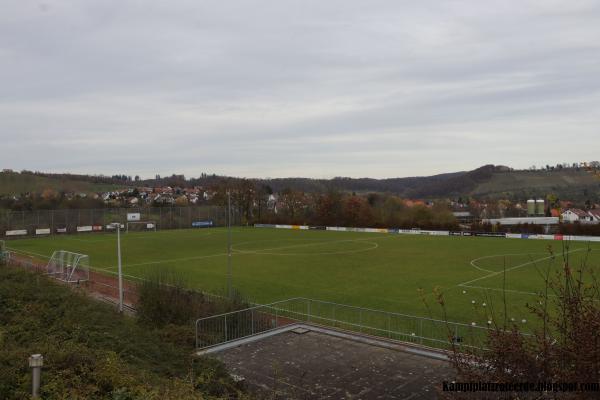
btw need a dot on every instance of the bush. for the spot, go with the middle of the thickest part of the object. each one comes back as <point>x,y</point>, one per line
<point>92,352</point>
<point>164,300</point>
<point>565,345</point>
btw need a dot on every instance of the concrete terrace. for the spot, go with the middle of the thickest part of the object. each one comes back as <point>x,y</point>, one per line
<point>316,364</point>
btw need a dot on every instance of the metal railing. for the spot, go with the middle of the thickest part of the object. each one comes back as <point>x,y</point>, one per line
<point>235,325</point>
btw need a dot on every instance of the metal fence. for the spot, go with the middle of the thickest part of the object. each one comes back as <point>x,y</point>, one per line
<point>164,217</point>
<point>224,328</point>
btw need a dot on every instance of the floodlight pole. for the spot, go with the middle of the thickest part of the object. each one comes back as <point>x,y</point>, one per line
<point>229,277</point>
<point>120,267</point>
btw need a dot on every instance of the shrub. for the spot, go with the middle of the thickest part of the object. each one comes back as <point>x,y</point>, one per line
<point>164,300</point>
<point>92,352</point>
<point>564,346</point>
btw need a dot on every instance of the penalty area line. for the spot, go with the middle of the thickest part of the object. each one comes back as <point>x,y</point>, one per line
<point>513,268</point>
<point>503,290</point>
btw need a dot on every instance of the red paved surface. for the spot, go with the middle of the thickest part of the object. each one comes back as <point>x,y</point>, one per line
<point>100,285</point>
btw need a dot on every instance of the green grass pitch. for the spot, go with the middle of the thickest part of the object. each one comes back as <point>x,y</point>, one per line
<point>376,270</point>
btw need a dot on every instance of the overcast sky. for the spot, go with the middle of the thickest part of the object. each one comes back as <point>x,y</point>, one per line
<point>297,88</point>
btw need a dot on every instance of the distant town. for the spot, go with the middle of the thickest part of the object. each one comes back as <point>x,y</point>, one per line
<point>555,204</point>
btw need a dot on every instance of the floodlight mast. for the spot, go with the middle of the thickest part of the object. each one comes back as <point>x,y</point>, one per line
<point>229,277</point>
<point>120,269</point>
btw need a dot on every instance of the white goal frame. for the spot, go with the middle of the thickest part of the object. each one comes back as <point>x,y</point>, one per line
<point>146,223</point>
<point>69,267</point>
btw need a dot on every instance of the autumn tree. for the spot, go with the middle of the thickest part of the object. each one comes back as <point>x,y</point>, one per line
<point>181,201</point>
<point>357,212</point>
<point>329,209</point>
<point>292,203</point>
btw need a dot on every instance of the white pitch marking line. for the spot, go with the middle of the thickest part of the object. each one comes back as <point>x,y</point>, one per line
<point>515,267</point>
<point>27,252</point>
<point>170,260</point>
<point>224,254</point>
<point>376,245</point>
<point>501,290</point>
<point>259,251</point>
<point>473,262</point>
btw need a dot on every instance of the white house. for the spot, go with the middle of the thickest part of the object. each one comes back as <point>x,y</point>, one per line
<point>576,215</point>
<point>595,213</point>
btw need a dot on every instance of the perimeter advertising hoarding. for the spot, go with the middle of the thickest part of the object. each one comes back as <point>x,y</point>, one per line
<point>490,234</point>
<point>203,224</point>
<point>16,232</point>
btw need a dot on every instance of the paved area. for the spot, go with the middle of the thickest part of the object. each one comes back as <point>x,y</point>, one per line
<point>315,365</point>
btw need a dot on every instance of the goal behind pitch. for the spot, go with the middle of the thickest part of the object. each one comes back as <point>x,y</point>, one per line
<point>69,267</point>
<point>140,226</point>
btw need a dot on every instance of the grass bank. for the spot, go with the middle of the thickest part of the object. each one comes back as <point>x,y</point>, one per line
<point>92,352</point>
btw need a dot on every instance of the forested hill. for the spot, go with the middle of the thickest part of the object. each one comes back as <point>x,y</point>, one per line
<point>485,182</point>
<point>436,185</point>
<point>13,183</point>
<point>488,181</point>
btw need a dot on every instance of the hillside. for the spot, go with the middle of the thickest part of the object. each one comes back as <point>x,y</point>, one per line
<point>488,181</point>
<point>569,184</point>
<point>485,182</point>
<point>25,182</point>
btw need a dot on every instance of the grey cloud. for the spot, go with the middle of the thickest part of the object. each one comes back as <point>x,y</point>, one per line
<point>313,88</point>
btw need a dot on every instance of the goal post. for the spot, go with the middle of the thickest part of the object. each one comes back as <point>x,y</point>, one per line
<point>68,266</point>
<point>140,226</point>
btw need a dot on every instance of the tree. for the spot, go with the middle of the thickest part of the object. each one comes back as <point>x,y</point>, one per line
<point>262,196</point>
<point>357,212</point>
<point>329,208</point>
<point>391,212</point>
<point>292,203</point>
<point>181,201</point>
<point>49,194</point>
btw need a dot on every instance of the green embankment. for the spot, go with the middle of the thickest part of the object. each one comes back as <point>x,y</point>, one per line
<point>92,352</point>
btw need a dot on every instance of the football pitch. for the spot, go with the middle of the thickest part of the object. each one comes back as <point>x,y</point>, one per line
<point>390,272</point>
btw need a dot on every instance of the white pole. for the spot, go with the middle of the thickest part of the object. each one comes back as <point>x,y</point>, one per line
<point>36,361</point>
<point>120,267</point>
<point>229,288</point>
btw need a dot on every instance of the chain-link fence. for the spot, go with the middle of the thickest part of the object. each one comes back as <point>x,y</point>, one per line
<point>44,222</point>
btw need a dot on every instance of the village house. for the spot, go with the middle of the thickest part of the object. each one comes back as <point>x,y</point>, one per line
<point>595,214</point>
<point>573,215</point>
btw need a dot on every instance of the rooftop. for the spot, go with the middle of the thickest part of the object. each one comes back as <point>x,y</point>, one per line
<point>312,364</point>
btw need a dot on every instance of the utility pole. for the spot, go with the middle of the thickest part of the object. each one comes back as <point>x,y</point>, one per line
<point>120,269</point>
<point>229,277</point>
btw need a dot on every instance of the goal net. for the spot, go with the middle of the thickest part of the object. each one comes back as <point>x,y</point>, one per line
<point>140,226</point>
<point>69,267</point>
